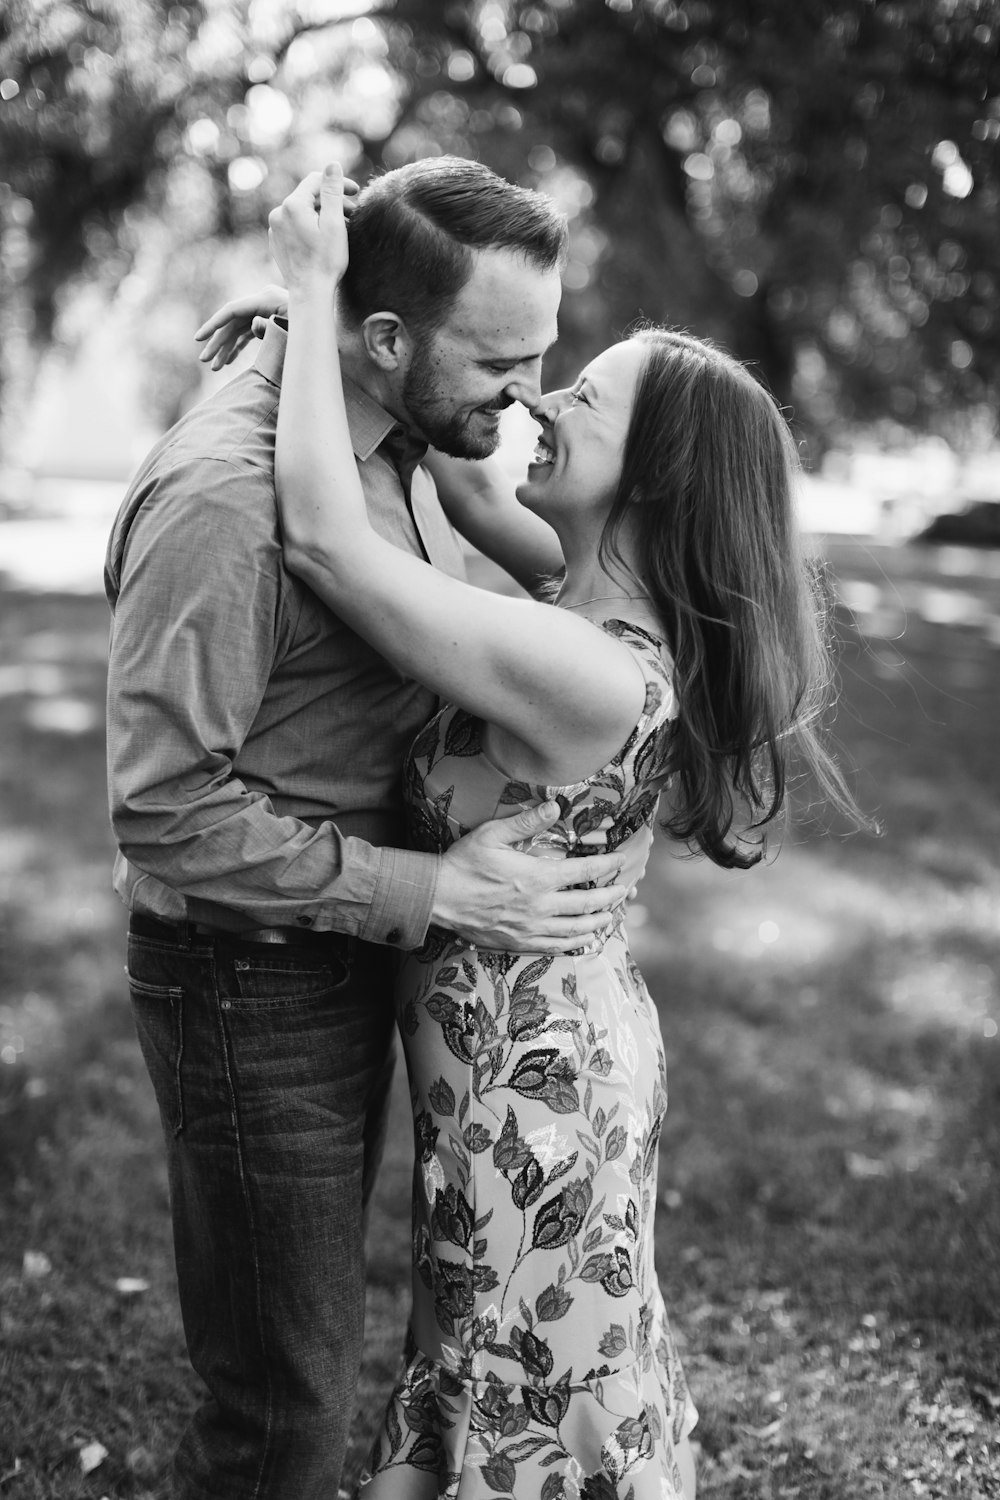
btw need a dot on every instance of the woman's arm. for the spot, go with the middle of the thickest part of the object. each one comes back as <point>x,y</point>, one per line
<point>479,500</point>
<point>550,678</point>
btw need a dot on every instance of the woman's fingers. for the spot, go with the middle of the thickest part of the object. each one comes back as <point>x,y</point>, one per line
<point>306,234</point>
<point>223,348</point>
<point>216,342</point>
<point>351,191</point>
<point>218,320</point>
<point>228,331</point>
<point>303,241</point>
<point>235,345</point>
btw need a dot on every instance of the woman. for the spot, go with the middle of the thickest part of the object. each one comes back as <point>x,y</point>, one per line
<point>683,656</point>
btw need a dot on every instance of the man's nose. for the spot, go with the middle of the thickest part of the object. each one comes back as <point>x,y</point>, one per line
<point>525,384</point>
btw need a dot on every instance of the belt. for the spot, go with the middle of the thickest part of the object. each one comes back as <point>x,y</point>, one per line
<point>182,932</point>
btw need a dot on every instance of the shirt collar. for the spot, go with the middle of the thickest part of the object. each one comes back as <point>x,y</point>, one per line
<point>369,423</point>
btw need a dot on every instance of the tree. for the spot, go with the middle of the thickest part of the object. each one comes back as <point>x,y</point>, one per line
<point>813,182</point>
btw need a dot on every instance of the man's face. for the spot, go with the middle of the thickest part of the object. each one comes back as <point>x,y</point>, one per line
<point>485,355</point>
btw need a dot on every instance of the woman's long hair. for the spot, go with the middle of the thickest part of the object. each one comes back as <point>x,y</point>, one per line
<point>707,495</point>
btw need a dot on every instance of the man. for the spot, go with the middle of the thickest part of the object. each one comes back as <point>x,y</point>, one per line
<point>255,745</point>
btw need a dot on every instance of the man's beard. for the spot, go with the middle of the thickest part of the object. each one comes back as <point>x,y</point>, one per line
<point>450,432</point>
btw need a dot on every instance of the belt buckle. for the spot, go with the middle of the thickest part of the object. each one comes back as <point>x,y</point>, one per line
<point>269,935</point>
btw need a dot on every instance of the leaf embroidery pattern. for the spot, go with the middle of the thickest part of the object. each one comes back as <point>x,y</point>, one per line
<point>546,1366</point>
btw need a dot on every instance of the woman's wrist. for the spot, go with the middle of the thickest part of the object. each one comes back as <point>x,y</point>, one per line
<point>316,288</point>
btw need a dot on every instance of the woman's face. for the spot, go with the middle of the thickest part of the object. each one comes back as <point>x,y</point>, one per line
<point>578,460</point>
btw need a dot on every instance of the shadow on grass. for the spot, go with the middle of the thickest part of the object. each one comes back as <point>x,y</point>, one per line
<point>829,1211</point>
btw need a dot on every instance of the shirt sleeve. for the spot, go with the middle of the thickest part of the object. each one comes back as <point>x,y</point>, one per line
<point>198,620</point>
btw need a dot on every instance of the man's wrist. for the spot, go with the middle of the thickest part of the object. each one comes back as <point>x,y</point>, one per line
<point>403,900</point>
<point>444,902</point>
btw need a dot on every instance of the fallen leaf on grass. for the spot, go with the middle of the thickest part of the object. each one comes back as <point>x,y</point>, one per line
<point>865,1166</point>
<point>92,1455</point>
<point>701,1312</point>
<point>762,1433</point>
<point>36,1263</point>
<point>130,1286</point>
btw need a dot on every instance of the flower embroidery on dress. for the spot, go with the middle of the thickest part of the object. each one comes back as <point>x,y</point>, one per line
<point>541,1363</point>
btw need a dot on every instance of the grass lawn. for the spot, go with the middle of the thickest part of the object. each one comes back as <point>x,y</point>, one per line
<point>829,1218</point>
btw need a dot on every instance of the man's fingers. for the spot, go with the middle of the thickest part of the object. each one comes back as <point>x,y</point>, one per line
<point>586,904</point>
<point>596,867</point>
<point>591,869</point>
<point>524,825</point>
<point>573,931</point>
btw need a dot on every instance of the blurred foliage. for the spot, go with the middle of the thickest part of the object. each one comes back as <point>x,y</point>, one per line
<point>814,182</point>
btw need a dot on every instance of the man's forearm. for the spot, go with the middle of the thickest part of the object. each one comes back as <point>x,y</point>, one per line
<point>229,849</point>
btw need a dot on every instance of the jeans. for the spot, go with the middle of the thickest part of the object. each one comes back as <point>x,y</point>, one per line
<point>271,1066</point>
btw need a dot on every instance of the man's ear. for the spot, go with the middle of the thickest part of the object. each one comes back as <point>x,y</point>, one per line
<point>386,341</point>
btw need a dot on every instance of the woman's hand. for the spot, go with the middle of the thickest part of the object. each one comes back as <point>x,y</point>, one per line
<point>307,233</point>
<point>235,323</point>
<point>300,239</point>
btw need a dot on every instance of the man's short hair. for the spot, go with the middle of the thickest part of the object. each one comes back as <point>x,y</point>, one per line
<point>414,231</point>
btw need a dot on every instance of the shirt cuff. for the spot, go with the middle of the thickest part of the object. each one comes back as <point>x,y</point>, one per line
<point>401,904</point>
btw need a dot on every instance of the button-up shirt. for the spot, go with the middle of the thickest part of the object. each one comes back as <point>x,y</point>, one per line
<point>255,742</point>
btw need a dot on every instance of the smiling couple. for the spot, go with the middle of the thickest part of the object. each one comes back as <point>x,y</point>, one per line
<point>312,847</point>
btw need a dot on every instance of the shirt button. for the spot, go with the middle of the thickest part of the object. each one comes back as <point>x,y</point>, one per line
<point>305,921</point>
<point>393,935</point>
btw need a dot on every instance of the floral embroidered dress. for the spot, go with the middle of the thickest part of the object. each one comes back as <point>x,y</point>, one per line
<point>540,1363</point>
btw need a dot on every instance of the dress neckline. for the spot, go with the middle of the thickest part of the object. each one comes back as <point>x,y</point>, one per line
<point>654,640</point>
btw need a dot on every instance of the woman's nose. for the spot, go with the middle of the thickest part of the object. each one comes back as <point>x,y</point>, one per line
<point>550,406</point>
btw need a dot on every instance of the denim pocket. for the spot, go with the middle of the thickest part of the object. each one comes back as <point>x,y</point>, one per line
<point>288,981</point>
<point>159,1020</point>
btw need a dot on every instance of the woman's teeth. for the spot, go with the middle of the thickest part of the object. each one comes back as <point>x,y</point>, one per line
<point>543,453</point>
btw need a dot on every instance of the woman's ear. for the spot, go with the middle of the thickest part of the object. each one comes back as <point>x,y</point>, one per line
<point>386,341</point>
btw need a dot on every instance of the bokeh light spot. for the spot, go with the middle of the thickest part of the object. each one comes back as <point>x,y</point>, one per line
<point>246,174</point>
